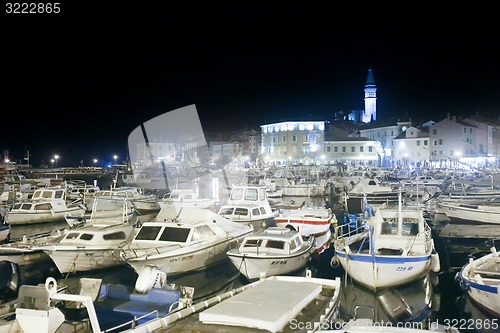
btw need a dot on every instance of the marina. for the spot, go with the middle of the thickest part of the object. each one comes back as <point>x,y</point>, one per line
<point>430,298</point>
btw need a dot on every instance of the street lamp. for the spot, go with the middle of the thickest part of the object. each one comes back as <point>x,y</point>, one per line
<point>56,157</point>
<point>95,161</point>
<point>52,161</point>
<point>115,157</point>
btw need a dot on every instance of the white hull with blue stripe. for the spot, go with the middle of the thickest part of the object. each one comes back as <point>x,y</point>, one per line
<point>481,279</point>
<point>392,248</point>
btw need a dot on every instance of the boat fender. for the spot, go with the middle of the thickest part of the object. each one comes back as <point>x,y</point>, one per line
<point>435,265</point>
<point>150,277</point>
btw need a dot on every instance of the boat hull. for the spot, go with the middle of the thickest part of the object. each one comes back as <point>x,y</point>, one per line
<point>80,260</point>
<point>378,272</point>
<point>254,266</point>
<point>42,217</point>
<point>182,260</point>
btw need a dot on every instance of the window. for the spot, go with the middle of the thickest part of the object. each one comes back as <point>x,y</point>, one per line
<point>251,194</point>
<point>389,227</point>
<point>275,244</point>
<point>418,142</point>
<point>343,149</point>
<point>255,211</point>
<point>435,142</point>
<point>115,235</point>
<point>294,138</point>
<point>425,142</point>
<point>451,152</point>
<point>86,237</point>
<point>327,149</point>
<point>353,149</point>
<point>370,149</point>
<point>434,131</point>
<point>170,234</point>
<point>465,129</point>
<point>440,142</point>
<point>241,211</point>
<point>44,206</point>
<point>470,130</point>
<point>336,149</point>
<point>227,211</point>
<point>262,210</point>
<point>237,194</point>
<point>361,149</point>
<point>202,232</point>
<point>148,233</point>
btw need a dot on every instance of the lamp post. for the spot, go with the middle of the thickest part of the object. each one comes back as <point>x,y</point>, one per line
<point>115,157</point>
<point>95,161</point>
<point>56,157</point>
<point>52,161</point>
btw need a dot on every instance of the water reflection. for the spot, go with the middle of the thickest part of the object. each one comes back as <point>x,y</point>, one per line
<point>413,302</point>
<point>476,318</point>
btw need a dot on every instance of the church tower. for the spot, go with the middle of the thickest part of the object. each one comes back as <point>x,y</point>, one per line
<point>370,99</point>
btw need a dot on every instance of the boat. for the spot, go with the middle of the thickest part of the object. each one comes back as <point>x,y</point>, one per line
<point>24,251</point>
<point>96,307</point>
<point>89,248</point>
<point>265,305</point>
<point>293,186</point>
<point>249,204</point>
<point>393,247</point>
<point>79,189</point>
<point>473,212</point>
<point>271,251</point>
<point>46,205</point>
<point>480,279</point>
<point>142,202</point>
<point>185,198</point>
<point>187,240</point>
<point>374,190</point>
<point>309,220</point>
<point>105,211</point>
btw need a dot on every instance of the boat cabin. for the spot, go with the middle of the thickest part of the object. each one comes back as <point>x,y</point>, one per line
<point>273,240</point>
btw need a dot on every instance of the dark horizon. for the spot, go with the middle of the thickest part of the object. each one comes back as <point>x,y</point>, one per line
<point>77,84</point>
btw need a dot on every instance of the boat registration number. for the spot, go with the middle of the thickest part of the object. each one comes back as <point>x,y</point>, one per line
<point>404,268</point>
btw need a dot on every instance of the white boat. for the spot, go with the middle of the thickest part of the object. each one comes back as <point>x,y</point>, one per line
<point>480,278</point>
<point>393,247</point>
<point>478,212</point>
<point>189,240</point>
<point>266,305</point>
<point>80,190</point>
<point>185,198</point>
<point>293,186</point>
<point>271,251</point>
<point>142,202</point>
<point>89,248</point>
<point>308,220</point>
<point>46,205</point>
<point>249,204</point>
<point>423,180</point>
<point>105,211</point>
<point>25,251</point>
<point>374,190</point>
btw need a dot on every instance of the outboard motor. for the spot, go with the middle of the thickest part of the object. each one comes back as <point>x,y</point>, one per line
<point>150,277</point>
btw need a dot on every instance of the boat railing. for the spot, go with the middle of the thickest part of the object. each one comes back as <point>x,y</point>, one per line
<point>133,322</point>
<point>427,232</point>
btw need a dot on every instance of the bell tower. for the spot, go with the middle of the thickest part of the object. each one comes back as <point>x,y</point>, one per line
<point>370,99</point>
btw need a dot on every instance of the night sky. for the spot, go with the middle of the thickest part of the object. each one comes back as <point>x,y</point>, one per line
<point>76,84</point>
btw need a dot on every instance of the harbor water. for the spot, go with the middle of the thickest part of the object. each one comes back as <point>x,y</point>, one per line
<point>434,299</point>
